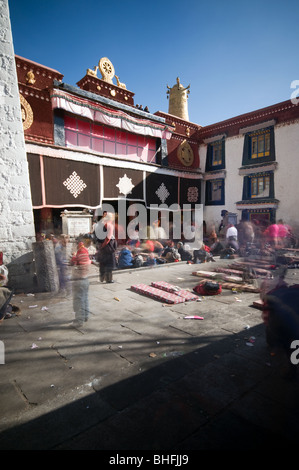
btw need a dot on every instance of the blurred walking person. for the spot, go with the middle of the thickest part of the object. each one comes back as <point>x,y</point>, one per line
<point>81,262</point>
<point>62,262</point>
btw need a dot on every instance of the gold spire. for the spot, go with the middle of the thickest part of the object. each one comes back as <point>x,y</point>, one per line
<point>178,96</point>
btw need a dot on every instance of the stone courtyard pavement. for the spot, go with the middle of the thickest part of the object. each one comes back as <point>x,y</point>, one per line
<point>140,376</point>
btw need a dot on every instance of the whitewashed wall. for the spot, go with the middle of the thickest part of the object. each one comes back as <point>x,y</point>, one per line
<point>286,177</point>
<point>233,181</point>
<point>16,215</point>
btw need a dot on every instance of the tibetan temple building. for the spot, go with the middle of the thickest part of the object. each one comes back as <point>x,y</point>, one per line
<point>89,144</point>
<point>69,152</point>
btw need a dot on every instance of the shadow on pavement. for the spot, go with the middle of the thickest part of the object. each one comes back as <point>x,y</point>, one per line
<point>222,396</point>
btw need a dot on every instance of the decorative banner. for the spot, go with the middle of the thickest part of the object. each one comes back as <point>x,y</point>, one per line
<point>69,183</point>
<point>59,182</point>
<point>161,189</point>
<point>190,191</point>
<point>35,180</point>
<point>122,183</point>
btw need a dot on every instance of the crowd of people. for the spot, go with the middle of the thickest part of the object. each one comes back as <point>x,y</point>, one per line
<point>111,252</point>
<point>105,246</point>
<point>115,252</point>
<point>269,236</point>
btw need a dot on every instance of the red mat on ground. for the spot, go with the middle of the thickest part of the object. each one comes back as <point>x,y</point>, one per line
<point>175,290</point>
<point>157,294</point>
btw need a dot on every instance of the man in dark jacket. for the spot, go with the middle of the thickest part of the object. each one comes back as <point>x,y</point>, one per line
<point>185,255</point>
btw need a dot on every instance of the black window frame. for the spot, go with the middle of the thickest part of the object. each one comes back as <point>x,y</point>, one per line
<point>210,154</point>
<point>247,186</point>
<point>247,154</point>
<point>208,194</point>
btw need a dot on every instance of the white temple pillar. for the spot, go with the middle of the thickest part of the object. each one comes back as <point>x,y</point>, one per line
<point>16,215</point>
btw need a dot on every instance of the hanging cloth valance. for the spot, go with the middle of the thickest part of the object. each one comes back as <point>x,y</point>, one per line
<point>58,182</point>
<point>190,192</point>
<point>96,112</point>
<point>122,183</point>
<point>161,189</point>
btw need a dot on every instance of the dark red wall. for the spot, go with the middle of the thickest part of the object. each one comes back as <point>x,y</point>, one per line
<point>37,94</point>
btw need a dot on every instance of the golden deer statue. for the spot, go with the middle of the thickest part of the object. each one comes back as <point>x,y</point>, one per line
<point>92,72</point>
<point>121,85</point>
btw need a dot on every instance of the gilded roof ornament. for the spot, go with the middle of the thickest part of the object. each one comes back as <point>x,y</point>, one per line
<point>178,95</point>
<point>185,153</point>
<point>26,112</point>
<point>120,84</point>
<point>30,78</point>
<point>92,72</point>
<point>107,70</point>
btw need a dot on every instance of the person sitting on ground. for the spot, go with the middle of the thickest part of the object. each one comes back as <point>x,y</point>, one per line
<point>125,259</point>
<point>185,255</point>
<point>212,236</point>
<point>137,259</point>
<point>158,247</point>
<point>202,255</point>
<point>5,298</point>
<point>168,249</point>
<point>173,256</point>
<point>151,260</point>
<point>170,253</point>
<point>216,246</point>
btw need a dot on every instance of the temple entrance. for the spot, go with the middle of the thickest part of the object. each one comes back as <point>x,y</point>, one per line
<point>264,216</point>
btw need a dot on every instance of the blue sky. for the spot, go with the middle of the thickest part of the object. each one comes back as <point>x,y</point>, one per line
<point>237,56</point>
